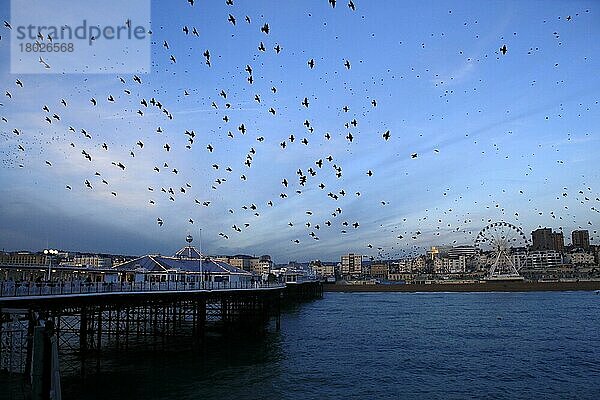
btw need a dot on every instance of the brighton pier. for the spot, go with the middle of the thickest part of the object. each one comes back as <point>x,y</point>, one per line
<point>50,329</point>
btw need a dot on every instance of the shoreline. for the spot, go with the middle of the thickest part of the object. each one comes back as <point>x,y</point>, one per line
<point>469,287</point>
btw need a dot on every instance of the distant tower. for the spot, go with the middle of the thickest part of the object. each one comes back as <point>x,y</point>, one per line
<point>581,239</point>
<point>545,239</point>
<point>189,238</point>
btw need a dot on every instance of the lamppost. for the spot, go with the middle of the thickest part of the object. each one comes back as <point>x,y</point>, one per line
<point>189,239</point>
<point>50,253</point>
<point>200,245</point>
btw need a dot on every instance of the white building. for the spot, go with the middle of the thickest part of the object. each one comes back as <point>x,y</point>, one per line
<point>322,270</point>
<point>537,259</point>
<point>264,265</point>
<point>456,265</point>
<point>450,265</point>
<point>402,266</point>
<point>92,261</point>
<point>462,250</point>
<point>291,274</point>
<point>580,258</point>
<point>351,264</point>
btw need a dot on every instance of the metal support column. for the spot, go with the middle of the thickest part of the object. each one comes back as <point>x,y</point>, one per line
<point>99,330</point>
<point>30,325</point>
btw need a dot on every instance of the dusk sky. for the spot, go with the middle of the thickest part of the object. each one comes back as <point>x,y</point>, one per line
<point>475,136</point>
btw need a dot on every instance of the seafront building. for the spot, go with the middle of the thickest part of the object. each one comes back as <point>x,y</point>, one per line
<point>406,277</point>
<point>537,259</point>
<point>379,270</point>
<point>48,266</point>
<point>293,273</point>
<point>323,270</point>
<point>18,258</point>
<point>259,265</point>
<point>450,265</point>
<point>351,265</point>
<point>580,257</point>
<point>90,261</point>
<point>187,265</point>
<point>546,239</point>
<point>581,239</point>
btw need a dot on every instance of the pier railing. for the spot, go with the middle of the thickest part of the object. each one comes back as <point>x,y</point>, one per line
<point>20,289</point>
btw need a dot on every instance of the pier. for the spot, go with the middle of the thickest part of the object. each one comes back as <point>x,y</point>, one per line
<point>77,322</point>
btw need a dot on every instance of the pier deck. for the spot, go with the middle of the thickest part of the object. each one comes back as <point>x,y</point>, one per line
<point>86,319</point>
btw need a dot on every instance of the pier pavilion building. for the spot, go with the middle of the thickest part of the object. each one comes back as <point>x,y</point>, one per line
<point>187,265</point>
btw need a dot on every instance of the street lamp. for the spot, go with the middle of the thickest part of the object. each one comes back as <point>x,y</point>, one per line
<point>189,239</point>
<point>200,252</point>
<point>50,253</point>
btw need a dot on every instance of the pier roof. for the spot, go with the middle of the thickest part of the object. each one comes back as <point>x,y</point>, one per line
<point>157,263</point>
<point>188,252</point>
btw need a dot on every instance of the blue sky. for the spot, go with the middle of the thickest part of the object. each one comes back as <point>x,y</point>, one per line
<point>498,137</point>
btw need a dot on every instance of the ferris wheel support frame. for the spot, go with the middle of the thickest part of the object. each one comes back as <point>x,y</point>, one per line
<point>514,272</point>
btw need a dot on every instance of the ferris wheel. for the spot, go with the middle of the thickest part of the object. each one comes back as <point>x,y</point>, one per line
<point>499,239</point>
